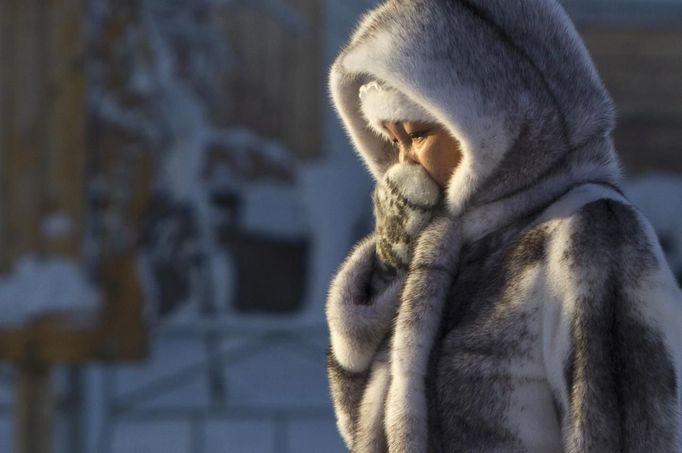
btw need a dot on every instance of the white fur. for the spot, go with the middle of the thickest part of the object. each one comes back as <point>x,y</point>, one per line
<point>661,287</point>
<point>577,198</point>
<point>561,289</point>
<point>370,422</point>
<point>344,425</point>
<point>357,326</point>
<point>481,134</point>
<point>480,221</point>
<point>658,294</point>
<point>414,184</point>
<point>406,423</point>
<point>503,99</point>
<point>530,413</point>
<point>381,103</point>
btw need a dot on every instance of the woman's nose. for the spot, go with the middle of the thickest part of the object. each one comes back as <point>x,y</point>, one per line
<point>406,156</point>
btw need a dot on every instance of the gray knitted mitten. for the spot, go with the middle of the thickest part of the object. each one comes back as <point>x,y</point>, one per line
<point>404,202</point>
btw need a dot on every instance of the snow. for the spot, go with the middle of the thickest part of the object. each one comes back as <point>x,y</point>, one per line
<point>273,210</point>
<point>45,286</point>
<point>278,376</point>
<point>336,193</point>
<point>336,190</point>
<point>58,225</point>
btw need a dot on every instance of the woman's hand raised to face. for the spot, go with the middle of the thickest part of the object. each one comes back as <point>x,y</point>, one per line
<point>404,202</point>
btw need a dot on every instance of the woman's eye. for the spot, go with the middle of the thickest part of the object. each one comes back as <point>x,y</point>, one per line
<point>418,136</point>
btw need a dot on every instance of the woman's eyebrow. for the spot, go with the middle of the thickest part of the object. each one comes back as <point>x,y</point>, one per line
<point>422,128</point>
<point>397,130</point>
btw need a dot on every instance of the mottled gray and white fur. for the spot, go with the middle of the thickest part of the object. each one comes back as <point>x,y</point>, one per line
<point>538,314</point>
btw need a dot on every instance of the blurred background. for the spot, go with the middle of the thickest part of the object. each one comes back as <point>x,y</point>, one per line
<point>176,192</point>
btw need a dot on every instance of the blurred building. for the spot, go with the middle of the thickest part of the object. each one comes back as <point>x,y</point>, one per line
<point>637,46</point>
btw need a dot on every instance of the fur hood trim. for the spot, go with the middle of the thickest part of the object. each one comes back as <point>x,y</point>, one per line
<point>512,81</point>
<point>380,103</point>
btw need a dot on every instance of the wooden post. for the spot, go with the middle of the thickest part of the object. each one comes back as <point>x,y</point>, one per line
<point>278,89</point>
<point>33,408</point>
<point>642,67</point>
<point>42,206</point>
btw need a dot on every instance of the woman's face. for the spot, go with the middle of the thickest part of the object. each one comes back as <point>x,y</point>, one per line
<point>428,145</point>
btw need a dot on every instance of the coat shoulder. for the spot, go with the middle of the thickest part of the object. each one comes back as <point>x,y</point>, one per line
<point>611,233</point>
<point>608,229</point>
<point>607,248</point>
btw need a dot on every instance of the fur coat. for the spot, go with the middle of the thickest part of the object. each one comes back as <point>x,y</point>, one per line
<point>538,314</point>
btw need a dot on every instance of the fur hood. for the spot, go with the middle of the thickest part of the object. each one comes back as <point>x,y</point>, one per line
<point>515,85</point>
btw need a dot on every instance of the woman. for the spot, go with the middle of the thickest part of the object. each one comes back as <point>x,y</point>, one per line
<point>510,299</point>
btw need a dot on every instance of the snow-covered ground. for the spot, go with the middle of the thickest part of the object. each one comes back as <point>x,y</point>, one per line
<point>279,377</point>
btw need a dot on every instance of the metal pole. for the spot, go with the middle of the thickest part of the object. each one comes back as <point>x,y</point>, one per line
<point>281,433</point>
<point>73,407</point>
<point>198,436</point>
